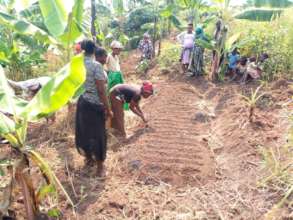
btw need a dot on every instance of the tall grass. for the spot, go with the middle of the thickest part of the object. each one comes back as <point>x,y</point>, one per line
<point>278,163</point>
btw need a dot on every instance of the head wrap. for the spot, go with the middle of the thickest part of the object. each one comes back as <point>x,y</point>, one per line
<point>116,44</point>
<point>147,87</point>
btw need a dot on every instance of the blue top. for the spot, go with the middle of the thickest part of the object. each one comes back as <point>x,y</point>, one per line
<point>233,59</point>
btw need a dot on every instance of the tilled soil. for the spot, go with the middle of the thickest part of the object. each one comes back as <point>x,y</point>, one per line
<point>198,158</point>
<point>171,150</point>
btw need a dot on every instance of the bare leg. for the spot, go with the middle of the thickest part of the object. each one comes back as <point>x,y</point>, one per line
<point>118,117</point>
<point>100,169</point>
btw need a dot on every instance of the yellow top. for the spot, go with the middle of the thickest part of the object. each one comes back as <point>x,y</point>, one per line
<point>112,63</point>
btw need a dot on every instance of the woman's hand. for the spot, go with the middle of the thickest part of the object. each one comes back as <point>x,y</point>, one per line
<point>144,120</point>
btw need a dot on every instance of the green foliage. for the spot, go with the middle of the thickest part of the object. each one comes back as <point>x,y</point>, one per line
<point>143,66</point>
<point>74,26</point>
<point>55,16</point>
<point>260,14</point>
<point>169,56</point>
<point>274,38</point>
<point>54,95</point>
<point>137,18</point>
<point>269,3</point>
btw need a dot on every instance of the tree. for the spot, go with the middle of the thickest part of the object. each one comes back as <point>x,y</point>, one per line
<point>93,20</point>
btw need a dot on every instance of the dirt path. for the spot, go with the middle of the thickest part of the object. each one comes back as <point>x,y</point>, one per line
<point>171,150</point>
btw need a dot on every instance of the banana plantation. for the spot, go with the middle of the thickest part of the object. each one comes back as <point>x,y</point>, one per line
<point>146,109</point>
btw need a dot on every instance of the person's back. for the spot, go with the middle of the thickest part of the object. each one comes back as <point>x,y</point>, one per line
<point>94,71</point>
<point>126,92</point>
<point>233,59</point>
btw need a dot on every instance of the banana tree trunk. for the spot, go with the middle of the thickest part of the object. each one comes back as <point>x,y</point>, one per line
<point>24,180</point>
<point>160,46</point>
<point>93,20</point>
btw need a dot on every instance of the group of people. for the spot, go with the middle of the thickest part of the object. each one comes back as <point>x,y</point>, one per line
<point>104,98</point>
<point>192,55</point>
<point>244,68</point>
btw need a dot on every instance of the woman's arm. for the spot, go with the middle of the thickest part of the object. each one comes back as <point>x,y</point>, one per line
<point>134,107</point>
<point>103,96</point>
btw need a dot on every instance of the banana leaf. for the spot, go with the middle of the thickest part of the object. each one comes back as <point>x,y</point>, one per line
<point>210,45</point>
<point>55,16</point>
<point>259,14</point>
<point>58,91</point>
<point>74,27</point>
<point>9,103</point>
<point>6,125</point>
<point>231,41</point>
<point>47,171</point>
<point>24,27</point>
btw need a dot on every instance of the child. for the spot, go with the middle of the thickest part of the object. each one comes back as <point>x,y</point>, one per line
<point>233,59</point>
<point>254,68</point>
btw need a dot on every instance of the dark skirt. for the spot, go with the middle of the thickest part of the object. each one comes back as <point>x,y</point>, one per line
<point>90,130</point>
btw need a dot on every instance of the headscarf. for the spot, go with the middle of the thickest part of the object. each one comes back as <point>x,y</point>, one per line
<point>199,34</point>
<point>116,44</point>
<point>147,87</point>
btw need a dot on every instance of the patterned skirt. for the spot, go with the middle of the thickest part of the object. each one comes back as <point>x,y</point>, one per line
<point>196,64</point>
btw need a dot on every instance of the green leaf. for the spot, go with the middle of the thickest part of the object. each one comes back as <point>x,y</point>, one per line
<point>24,27</point>
<point>58,91</point>
<point>46,170</point>
<point>232,40</point>
<point>55,16</point>
<point>54,213</point>
<point>175,21</point>
<point>6,125</point>
<point>206,44</point>
<point>167,12</point>
<point>259,14</point>
<point>74,27</point>
<point>45,191</point>
<point>3,57</point>
<point>9,103</point>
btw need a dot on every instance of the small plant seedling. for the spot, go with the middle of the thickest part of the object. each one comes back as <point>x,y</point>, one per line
<point>251,101</point>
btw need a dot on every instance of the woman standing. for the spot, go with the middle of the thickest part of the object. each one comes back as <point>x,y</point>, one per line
<point>196,65</point>
<point>113,65</point>
<point>123,93</point>
<point>91,113</point>
<point>146,47</point>
<point>186,40</point>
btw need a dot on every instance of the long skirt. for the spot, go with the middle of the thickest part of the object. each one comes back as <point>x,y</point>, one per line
<point>185,55</point>
<point>90,130</point>
<point>196,64</point>
<point>117,121</point>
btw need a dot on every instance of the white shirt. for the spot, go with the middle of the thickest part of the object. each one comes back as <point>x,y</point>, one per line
<point>186,39</point>
<point>113,63</point>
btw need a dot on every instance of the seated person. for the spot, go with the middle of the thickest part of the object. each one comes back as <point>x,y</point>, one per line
<point>255,68</point>
<point>233,59</point>
<point>241,66</point>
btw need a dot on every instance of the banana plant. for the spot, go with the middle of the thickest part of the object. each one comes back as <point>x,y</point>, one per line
<point>15,114</point>
<point>194,8</point>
